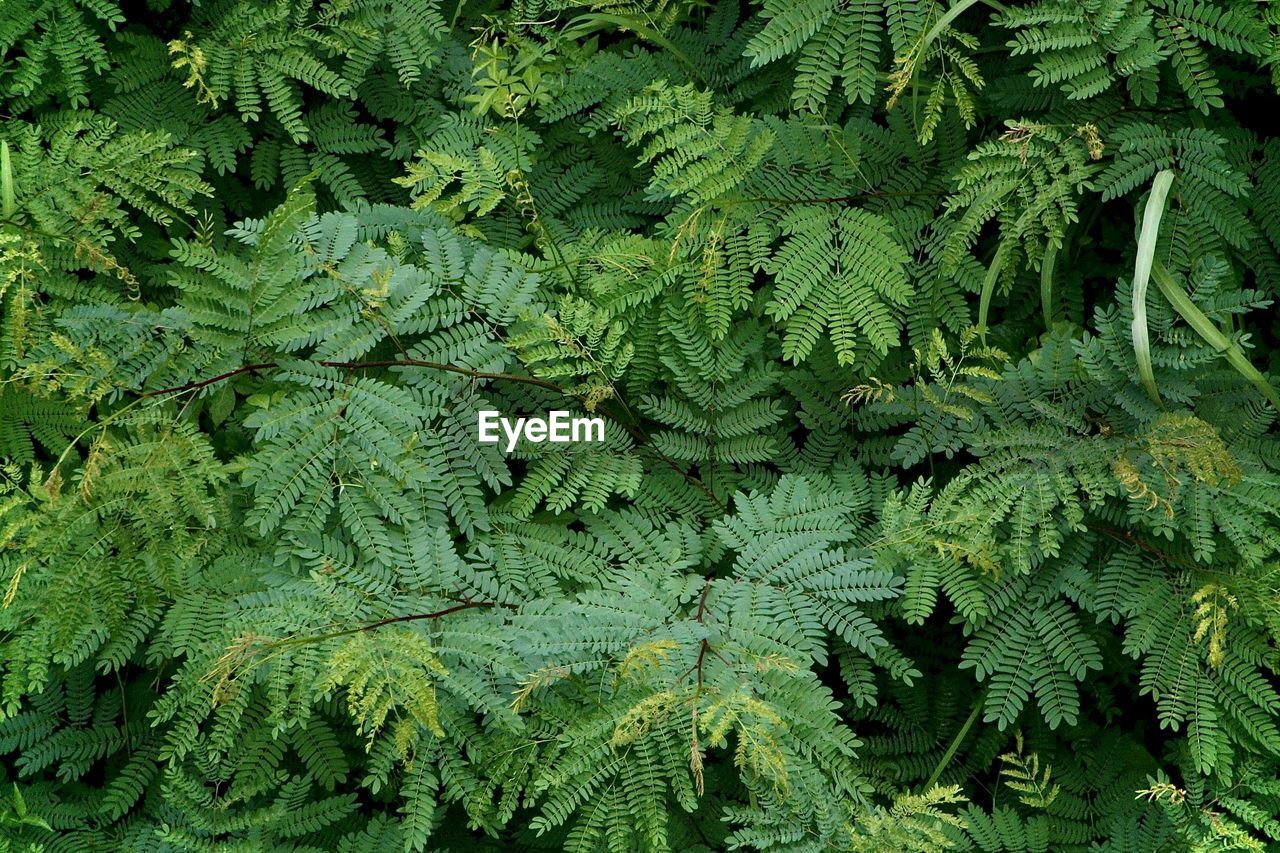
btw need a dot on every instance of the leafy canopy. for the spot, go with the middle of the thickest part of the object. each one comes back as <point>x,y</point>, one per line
<point>939,500</point>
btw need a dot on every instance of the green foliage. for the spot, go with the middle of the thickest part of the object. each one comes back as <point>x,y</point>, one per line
<point>921,520</point>
<point>842,275</point>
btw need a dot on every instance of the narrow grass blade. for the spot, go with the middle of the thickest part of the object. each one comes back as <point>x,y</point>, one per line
<point>1046,285</point>
<point>1212,335</point>
<point>949,18</point>
<point>8,206</point>
<point>989,286</point>
<point>1142,275</point>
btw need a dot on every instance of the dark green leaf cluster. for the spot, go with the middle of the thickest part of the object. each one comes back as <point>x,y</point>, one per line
<point>938,500</point>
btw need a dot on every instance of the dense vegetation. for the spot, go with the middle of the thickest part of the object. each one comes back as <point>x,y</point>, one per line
<point>939,506</point>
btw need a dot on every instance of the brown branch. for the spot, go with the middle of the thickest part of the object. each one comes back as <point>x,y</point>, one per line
<point>363,365</point>
<point>195,386</point>
<point>1125,537</point>
<point>703,645</point>
<point>636,434</point>
<point>413,617</point>
<point>702,601</point>
<point>843,199</point>
<point>382,623</point>
<point>642,441</point>
<point>450,368</point>
<point>702,656</point>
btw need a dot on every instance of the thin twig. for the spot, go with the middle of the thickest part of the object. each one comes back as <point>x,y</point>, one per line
<point>382,623</point>
<point>637,435</point>
<point>365,365</point>
<point>195,386</point>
